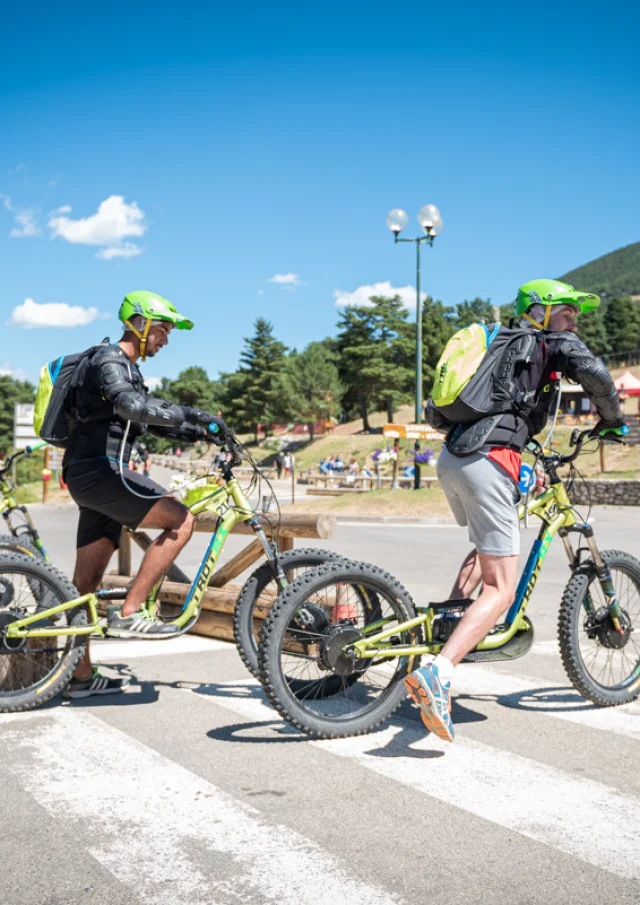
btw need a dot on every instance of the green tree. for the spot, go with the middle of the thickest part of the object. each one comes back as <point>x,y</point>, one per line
<point>593,331</point>
<point>622,323</point>
<point>308,388</point>
<point>438,325</point>
<point>11,391</point>
<point>249,394</point>
<point>194,387</point>
<point>474,311</point>
<point>375,346</point>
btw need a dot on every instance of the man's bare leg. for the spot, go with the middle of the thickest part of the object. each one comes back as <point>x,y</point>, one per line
<point>178,524</point>
<point>499,577</point>
<point>91,562</point>
<point>469,577</point>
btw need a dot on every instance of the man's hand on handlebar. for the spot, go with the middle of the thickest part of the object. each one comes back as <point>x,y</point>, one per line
<point>616,432</point>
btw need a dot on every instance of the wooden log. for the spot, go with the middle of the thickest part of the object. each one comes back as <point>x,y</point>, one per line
<point>237,565</point>
<point>174,593</point>
<point>124,553</point>
<point>292,524</point>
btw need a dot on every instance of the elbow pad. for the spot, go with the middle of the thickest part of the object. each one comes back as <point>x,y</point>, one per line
<point>595,379</point>
<point>134,406</point>
<point>129,398</point>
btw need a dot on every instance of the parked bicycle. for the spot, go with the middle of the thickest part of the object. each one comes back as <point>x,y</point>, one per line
<point>23,535</point>
<point>44,623</point>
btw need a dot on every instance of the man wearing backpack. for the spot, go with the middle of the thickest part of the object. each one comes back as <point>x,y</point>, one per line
<point>109,407</point>
<point>479,466</point>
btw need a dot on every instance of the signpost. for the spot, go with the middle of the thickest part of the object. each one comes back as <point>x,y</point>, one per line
<point>23,431</point>
<point>412,432</point>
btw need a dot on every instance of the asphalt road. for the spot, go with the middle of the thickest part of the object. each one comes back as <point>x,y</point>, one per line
<point>188,790</point>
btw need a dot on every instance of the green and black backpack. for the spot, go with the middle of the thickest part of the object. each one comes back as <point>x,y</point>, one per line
<point>58,378</point>
<point>477,374</point>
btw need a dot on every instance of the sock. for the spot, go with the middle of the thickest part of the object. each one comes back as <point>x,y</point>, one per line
<point>445,669</point>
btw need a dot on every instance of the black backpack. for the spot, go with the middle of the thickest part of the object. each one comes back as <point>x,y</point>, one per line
<point>58,380</point>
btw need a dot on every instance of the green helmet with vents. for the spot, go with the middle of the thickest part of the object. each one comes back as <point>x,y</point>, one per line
<point>153,307</point>
<point>553,292</point>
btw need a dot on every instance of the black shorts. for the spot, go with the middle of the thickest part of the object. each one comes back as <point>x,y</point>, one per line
<point>105,503</point>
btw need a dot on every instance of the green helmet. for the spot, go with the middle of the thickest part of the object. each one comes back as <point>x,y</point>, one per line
<point>553,292</point>
<point>153,307</point>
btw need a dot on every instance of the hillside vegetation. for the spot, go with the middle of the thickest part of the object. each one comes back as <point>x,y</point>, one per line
<point>614,274</point>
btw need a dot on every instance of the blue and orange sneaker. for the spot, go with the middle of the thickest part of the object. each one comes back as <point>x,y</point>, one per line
<point>433,697</point>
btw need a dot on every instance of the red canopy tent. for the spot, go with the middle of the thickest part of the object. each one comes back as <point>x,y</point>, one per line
<point>629,383</point>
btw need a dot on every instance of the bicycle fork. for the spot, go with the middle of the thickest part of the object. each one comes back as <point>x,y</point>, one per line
<point>602,571</point>
<point>270,553</point>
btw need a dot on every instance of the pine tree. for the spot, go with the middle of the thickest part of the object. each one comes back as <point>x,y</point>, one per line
<point>308,388</point>
<point>438,325</point>
<point>250,395</point>
<point>622,323</point>
<point>376,348</point>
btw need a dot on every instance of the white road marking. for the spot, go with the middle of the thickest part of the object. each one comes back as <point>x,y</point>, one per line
<point>583,818</point>
<point>558,700</point>
<point>164,831</point>
<point>114,651</point>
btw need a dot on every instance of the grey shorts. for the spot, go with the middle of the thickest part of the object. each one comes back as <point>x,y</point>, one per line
<point>483,497</point>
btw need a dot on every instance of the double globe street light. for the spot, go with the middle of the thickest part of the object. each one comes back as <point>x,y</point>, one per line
<point>431,222</point>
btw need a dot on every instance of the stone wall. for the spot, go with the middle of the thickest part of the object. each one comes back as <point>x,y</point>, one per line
<point>610,491</point>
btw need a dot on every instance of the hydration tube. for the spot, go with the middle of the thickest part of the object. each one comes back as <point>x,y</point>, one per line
<point>212,428</point>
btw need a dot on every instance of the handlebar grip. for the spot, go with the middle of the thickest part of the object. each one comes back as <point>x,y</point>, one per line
<point>622,431</point>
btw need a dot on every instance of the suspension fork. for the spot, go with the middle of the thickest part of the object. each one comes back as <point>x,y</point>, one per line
<point>604,577</point>
<point>270,552</point>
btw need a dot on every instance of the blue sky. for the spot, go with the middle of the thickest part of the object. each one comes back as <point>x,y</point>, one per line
<point>272,139</point>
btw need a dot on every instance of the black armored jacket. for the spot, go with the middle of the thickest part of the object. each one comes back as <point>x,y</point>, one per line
<point>562,353</point>
<point>110,392</point>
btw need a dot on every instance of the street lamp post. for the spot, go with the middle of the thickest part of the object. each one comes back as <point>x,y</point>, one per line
<point>431,222</point>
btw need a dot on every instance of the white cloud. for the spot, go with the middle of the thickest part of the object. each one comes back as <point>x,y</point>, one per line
<point>109,226</point>
<point>27,225</point>
<point>51,314</point>
<point>362,294</point>
<point>128,250</point>
<point>153,383</point>
<point>8,371</point>
<point>25,218</point>
<point>286,279</point>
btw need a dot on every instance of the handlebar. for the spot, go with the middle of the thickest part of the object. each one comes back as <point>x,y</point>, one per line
<point>578,439</point>
<point>21,454</point>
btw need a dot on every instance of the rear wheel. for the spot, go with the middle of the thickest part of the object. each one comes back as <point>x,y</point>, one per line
<point>259,593</point>
<point>296,648</point>
<point>602,662</point>
<point>33,670</point>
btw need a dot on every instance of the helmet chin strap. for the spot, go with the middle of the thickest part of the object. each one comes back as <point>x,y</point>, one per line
<point>545,323</point>
<point>143,336</point>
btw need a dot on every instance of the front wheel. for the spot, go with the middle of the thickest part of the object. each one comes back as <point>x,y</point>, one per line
<point>298,646</point>
<point>602,662</point>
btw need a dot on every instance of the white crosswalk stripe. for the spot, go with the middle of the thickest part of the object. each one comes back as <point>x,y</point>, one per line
<point>150,827</point>
<point>541,802</point>
<point>155,819</point>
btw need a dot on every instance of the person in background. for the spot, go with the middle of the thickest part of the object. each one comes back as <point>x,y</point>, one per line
<point>278,462</point>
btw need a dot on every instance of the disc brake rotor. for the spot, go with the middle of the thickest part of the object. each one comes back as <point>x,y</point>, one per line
<point>10,645</point>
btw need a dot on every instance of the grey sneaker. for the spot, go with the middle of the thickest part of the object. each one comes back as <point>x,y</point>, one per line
<point>94,684</point>
<point>139,625</point>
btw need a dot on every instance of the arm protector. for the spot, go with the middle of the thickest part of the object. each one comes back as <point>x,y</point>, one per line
<point>130,401</point>
<point>581,365</point>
